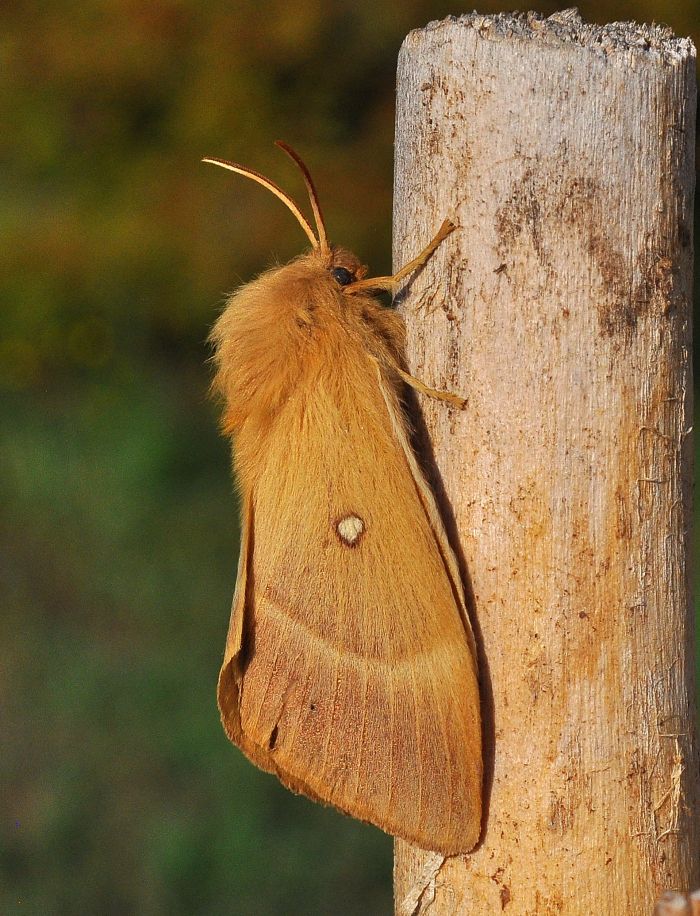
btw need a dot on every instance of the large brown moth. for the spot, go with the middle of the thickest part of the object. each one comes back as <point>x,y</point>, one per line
<point>350,668</point>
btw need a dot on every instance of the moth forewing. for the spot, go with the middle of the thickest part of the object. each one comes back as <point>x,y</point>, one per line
<point>350,668</point>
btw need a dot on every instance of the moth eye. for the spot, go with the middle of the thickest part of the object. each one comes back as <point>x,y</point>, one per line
<point>342,275</point>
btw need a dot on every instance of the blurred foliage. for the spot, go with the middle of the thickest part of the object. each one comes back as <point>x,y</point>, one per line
<point>118,542</point>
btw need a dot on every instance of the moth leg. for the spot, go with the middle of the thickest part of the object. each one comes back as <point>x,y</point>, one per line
<point>447,227</point>
<point>390,283</point>
<point>455,400</point>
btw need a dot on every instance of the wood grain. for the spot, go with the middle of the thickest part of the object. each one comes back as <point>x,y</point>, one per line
<point>561,308</point>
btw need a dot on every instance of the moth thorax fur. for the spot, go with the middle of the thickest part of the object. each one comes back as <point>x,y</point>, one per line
<point>350,529</point>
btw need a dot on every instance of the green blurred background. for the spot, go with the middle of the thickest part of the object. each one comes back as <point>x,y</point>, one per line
<point>118,539</point>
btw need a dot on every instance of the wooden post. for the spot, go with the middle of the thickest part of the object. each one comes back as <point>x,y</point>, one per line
<point>561,308</point>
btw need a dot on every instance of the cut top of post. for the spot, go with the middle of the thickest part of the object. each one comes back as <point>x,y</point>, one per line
<point>567,27</point>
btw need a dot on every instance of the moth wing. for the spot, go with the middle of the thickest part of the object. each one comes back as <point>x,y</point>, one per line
<point>234,638</point>
<point>350,668</point>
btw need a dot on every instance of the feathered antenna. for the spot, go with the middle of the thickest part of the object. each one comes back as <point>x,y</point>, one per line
<point>278,192</point>
<point>313,196</point>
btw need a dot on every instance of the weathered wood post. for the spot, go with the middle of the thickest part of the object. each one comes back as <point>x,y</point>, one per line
<point>562,309</point>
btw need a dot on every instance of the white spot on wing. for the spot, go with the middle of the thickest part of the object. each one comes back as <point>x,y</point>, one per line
<point>350,529</point>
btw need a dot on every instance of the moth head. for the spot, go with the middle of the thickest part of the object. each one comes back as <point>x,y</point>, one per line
<point>345,268</point>
<point>341,266</point>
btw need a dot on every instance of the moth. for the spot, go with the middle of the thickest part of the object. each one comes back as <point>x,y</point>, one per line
<point>350,668</point>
